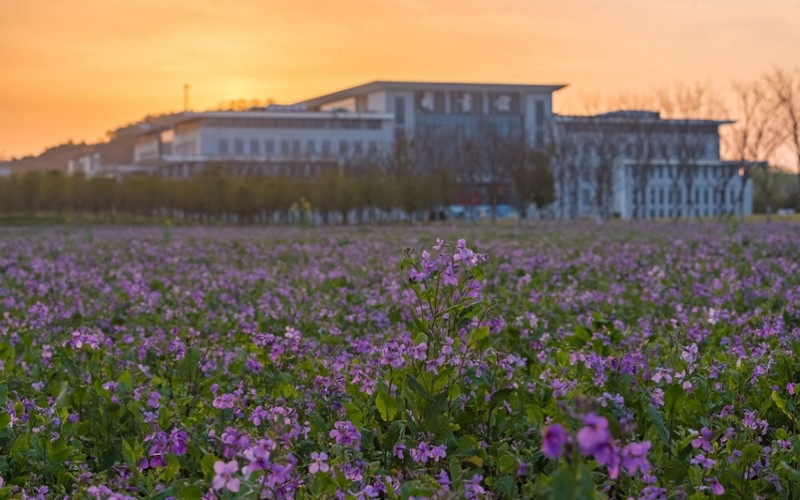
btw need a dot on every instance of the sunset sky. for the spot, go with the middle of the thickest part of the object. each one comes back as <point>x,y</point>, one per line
<point>75,69</point>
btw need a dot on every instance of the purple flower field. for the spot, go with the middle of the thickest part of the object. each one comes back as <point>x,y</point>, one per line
<point>578,361</point>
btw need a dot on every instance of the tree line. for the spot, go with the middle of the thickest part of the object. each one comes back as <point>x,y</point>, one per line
<point>344,194</point>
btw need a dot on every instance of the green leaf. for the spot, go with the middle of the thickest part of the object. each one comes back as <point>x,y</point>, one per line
<point>658,422</point>
<point>59,454</point>
<point>781,404</point>
<point>173,467</point>
<point>564,485</point>
<point>500,396</point>
<point>191,492</point>
<point>188,365</point>
<point>387,406</point>
<point>125,380</point>
<point>479,339</point>
<point>416,387</point>
<point>207,464</point>
<point>420,324</point>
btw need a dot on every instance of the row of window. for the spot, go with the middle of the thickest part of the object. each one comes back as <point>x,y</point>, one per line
<point>679,213</point>
<point>704,171</point>
<point>669,196</point>
<point>286,170</point>
<point>295,147</point>
<point>319,123</point>
<point>676,196</point>
<point>636,151</point>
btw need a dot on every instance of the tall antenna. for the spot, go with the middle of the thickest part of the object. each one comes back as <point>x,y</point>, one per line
<point>186,97</point>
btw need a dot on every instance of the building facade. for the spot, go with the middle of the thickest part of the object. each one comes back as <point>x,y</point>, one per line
<point>638,165</point>
<point>627,164</point>
<point>264,142</point>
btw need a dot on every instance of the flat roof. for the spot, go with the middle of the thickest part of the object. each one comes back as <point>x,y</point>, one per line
<point>381,85</point>
<point>651,117</point>
<point>303,115</point>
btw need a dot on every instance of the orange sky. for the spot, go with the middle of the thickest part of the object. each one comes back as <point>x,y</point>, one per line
<point>74,69</point>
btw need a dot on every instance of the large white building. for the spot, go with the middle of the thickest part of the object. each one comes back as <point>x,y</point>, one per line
<point>265,142</point>
<point>628,164</point>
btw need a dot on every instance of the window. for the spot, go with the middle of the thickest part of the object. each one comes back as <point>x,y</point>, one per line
<point>223,146</point>
<point>238,146</point>
<point>343,147</point>
<point>358,148</point>
<point>373,147</point>
<point>661,196</point>
<point>285,147</point>
<point>326,147</point>
<point>400,111</point>
<point>539,113</point>
<point>254,147</point>
<point>269,146</point>
<point>296,147</point>
<point>653,196</point>
<point>311,147</point>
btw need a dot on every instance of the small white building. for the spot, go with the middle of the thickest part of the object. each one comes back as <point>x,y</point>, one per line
<point>638,165</point>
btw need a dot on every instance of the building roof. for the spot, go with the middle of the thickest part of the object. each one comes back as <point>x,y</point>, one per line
<point>626,116</point>
<point>380,85</point>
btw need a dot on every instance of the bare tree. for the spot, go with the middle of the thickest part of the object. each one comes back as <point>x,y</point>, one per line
<point>785,90</point>
<point>756,135</point>
<point>645,151</point>
<point>687,105</point>
<point>565,160</point>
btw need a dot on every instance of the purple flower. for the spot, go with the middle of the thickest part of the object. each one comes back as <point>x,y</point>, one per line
<point>553,441</point>
<point>634,457</point>
<point>473,488</point>
<point>153,400</point>
<point>224,401</point>
<point>716,487</point>
<point>258,456</point>
<point>703,461</point>
<point>420,453</point>
<point>258,415</point>
<point>438,452</point>
<point>319,463</point>
<point>178,441</point>
<point>704,441</point>
<point>593,435</point>
<point>223,477</point>
<point>444,480</point>
<point>345,433</point>
<point>595,440</point>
